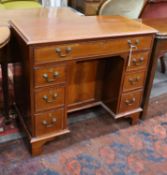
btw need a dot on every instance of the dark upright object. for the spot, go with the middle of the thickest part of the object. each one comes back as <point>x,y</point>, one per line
<point>4,39</point>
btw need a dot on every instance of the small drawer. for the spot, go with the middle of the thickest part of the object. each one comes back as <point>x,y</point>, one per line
<point>46,123</point>
<point>130,101</point>
<point>138,61</point>
<point>47,98</point>
<point>49,75</point>
<point>133,81</point>
<point>70,51</point>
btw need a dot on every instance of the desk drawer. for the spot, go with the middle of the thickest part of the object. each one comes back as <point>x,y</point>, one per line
<point>92,48</point>
<point>138,61</point>
<point>48,75</point>
<point>134,80</point>
<point>130,101</point>
<point>46,123</point>
<point>47,98</point>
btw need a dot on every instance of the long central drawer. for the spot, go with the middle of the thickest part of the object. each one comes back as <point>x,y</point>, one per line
<point>92,48</point>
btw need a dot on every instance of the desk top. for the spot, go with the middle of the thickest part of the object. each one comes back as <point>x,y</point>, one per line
<point>159,24</point>
<point>58,26</point>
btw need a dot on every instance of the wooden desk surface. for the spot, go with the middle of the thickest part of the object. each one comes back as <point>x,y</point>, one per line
<point>160,24</point>
<point>58,26</point>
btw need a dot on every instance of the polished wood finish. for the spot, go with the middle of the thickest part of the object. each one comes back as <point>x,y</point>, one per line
<point>49,122</point>
<point>100,27</point>
<point>48,98</point>
<point>130,101</point>
<point>49,75</point>
<point>94,58</point>
<point>139,61</point>
<point>133,81</point>
<point>86,49</point>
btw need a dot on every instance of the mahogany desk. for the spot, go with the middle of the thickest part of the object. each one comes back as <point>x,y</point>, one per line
<point>67,64</point>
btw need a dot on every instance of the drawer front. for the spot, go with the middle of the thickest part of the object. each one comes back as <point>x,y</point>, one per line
<point>138,61</point>
<point>133,81</point>
<point>130,101</point>
<point>86,49</point>
<point>48,98</point>
<point>48,75</point>
<point>49,122</point>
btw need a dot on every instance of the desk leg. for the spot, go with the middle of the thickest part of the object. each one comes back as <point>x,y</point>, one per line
<point>163,66</point>
<point>135,118</point>
<point>5,87</point>
<point>36,148</point>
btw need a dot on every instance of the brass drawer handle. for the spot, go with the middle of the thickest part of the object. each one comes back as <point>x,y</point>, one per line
<point>137,42</point>
<point>134,80</point>
<point>138,62</point>
<point>46,99</point>
<point>49,125</point>
<point>130,102</point>
<point>61,54</point>
<point>49,80</point>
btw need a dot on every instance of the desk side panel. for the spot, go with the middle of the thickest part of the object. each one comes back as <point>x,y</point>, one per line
<point>21,53</point>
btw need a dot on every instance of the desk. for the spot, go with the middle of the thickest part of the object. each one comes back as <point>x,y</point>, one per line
<point>65,65</point>
<point>159,48</point>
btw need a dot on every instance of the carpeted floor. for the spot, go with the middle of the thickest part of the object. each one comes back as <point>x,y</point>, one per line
<point>97,146</point>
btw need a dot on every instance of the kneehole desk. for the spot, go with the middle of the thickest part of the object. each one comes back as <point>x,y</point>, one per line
<point>64,65</point>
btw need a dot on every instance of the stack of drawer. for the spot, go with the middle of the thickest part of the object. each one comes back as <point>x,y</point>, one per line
<point>134,79</point>
<point>49,99</point>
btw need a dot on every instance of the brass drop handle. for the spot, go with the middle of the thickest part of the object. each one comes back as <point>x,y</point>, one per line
<point>49,125</point>
<point>49,80</point>
<point>134,80</point>
<point>130,102</point>
<point>46,99</point>
<point>131,47</point>
<point>137,42</point>
<point>61,54</point>
<point>138,62</point>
